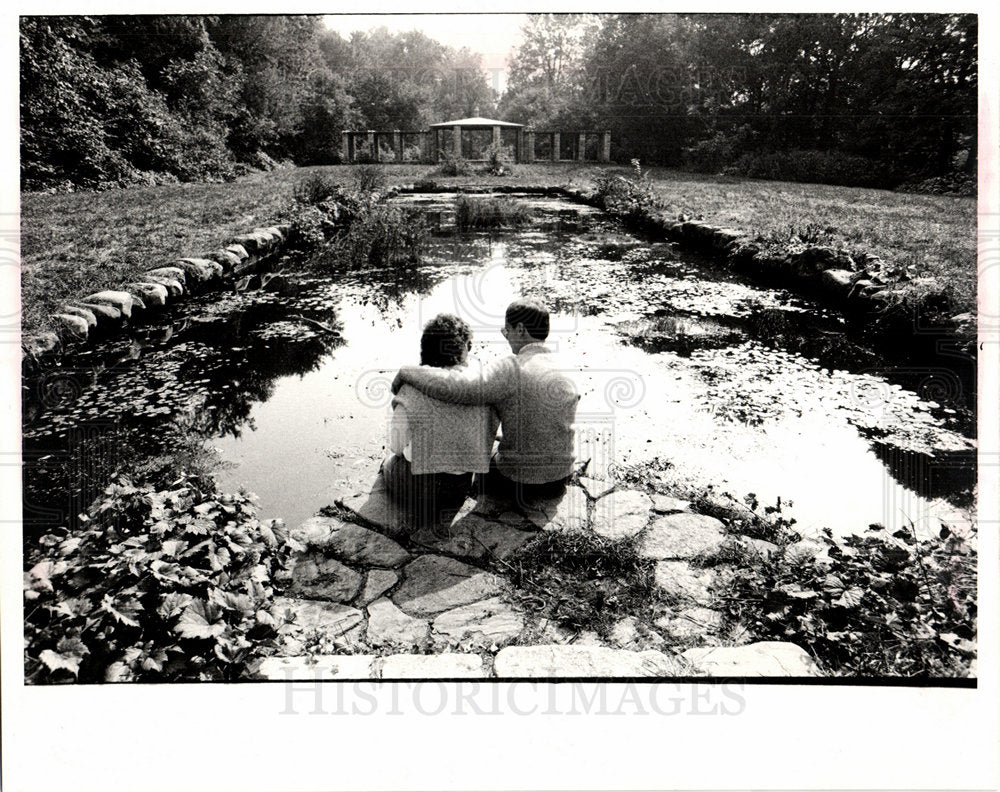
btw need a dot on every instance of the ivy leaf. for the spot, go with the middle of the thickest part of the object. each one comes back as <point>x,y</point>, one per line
<point>200,619</point>
<point>171,573</point>
<point>850,598</point>
<point>199,527</point>
<point>173,603</point>
<point>56,660</point>
<point>797,592</point>
<point>72,645</point>
<point>124,611</point>
<point>268,535</point>
<point>172,547</point>
<point>229,601</point>
<point>117,672</point>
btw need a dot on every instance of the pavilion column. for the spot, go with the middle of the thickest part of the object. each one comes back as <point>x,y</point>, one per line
<point>581,145</point>
<point>496,136</point>
<point>457,142</point>
<point>372,151</point>
<point>529,146</point>
<point>605,146</point>
<point>345,146</point>
<point>397,144</point>
<point>435,145</point>
<point>556,143</point>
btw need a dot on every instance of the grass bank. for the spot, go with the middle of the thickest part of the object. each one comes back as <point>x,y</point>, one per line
<point>76,243</point>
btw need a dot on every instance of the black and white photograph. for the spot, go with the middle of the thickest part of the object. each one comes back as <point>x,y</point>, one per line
<point>640,360</point>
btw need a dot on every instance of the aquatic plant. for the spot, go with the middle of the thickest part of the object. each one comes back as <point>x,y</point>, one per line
<point>474,213</point>
<point>380,236</point>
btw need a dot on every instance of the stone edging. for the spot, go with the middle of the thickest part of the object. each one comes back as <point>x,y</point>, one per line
<point>375,596</point>
<point>831,276</point>
<point>111,310</point>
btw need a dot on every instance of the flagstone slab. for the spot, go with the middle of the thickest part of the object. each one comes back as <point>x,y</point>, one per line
<point>319,668</point>
<point>377,582</point>
<point>350,542</point>
<point>621,514</point>
<point>316,576</point>
<point>389,626</point>
<point>473,536</point>
<point>596,488</point>
<point>435,666</point>
<point>682,535</point>
<point>666,504</point>
<point>690,623</point>
<point>378,509</point>
<point>433,584</point>
<point>766,658</point>
<point>330,622</point>
<point>487,622</point>
<point>565,513</point>
<point>562,660</point>
<point>679,580</point>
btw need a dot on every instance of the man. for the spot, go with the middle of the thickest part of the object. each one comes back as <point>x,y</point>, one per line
<point>534,398</point>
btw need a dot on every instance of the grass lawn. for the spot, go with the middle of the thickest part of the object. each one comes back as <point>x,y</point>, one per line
<point>77,243</point>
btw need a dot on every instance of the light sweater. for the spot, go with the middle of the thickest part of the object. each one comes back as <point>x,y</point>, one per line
<point>536,401</point>
<point>438,437</point>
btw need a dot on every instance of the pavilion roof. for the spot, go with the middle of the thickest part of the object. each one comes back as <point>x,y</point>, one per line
<point>476,121</point>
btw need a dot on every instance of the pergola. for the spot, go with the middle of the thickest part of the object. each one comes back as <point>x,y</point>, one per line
<point>462,130</point>
<point>468,138</point>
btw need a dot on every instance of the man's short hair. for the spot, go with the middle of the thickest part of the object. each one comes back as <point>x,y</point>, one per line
<point>444,339</point>
<point>532,315</point>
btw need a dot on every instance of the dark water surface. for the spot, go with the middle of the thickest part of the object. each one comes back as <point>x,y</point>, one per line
<point>708,379</point>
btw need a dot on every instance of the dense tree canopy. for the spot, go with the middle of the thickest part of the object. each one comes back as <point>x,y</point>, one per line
<point>121,99</point>
<point>892,93</point>
<point>847,98</point>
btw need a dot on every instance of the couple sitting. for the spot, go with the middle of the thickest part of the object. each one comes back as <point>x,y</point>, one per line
<point>445,416</point>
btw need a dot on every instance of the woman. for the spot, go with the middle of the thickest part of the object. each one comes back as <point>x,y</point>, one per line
<point>438,446</point>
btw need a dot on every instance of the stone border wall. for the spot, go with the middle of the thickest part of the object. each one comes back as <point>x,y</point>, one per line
<point>831,276</point>
<point>113,310</point>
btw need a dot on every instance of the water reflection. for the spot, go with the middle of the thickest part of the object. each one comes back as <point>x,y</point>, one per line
<point>747,388</point>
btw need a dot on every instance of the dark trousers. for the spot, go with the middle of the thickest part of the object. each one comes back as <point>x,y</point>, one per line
<point>497,484</point>
<point>430,498</point>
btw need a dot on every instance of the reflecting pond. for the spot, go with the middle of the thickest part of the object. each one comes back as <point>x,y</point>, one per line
<point>684,370</point>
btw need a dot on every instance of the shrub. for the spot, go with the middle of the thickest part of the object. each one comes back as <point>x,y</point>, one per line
<point>626,195</point>
<point>380,236</point>
<point>454,166</point>
<point>498,159</point>
<point>958,183</point>
<point>820,167</point>
<point>883,605</point>
<point>718,152</point>
<point>368,178</point>
<point>160,585</point>
<point>315,189</point>
<point>475,213</point>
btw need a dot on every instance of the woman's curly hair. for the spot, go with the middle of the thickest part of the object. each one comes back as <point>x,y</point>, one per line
<point>444,340</point>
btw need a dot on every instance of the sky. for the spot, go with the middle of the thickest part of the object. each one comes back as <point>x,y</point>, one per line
<point>491,35</point>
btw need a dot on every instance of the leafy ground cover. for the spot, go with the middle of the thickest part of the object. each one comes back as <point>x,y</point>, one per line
<point>75,243</point>
<point>170,584</point>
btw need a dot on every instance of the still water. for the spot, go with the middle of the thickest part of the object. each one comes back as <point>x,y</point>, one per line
<point>693,373</point>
